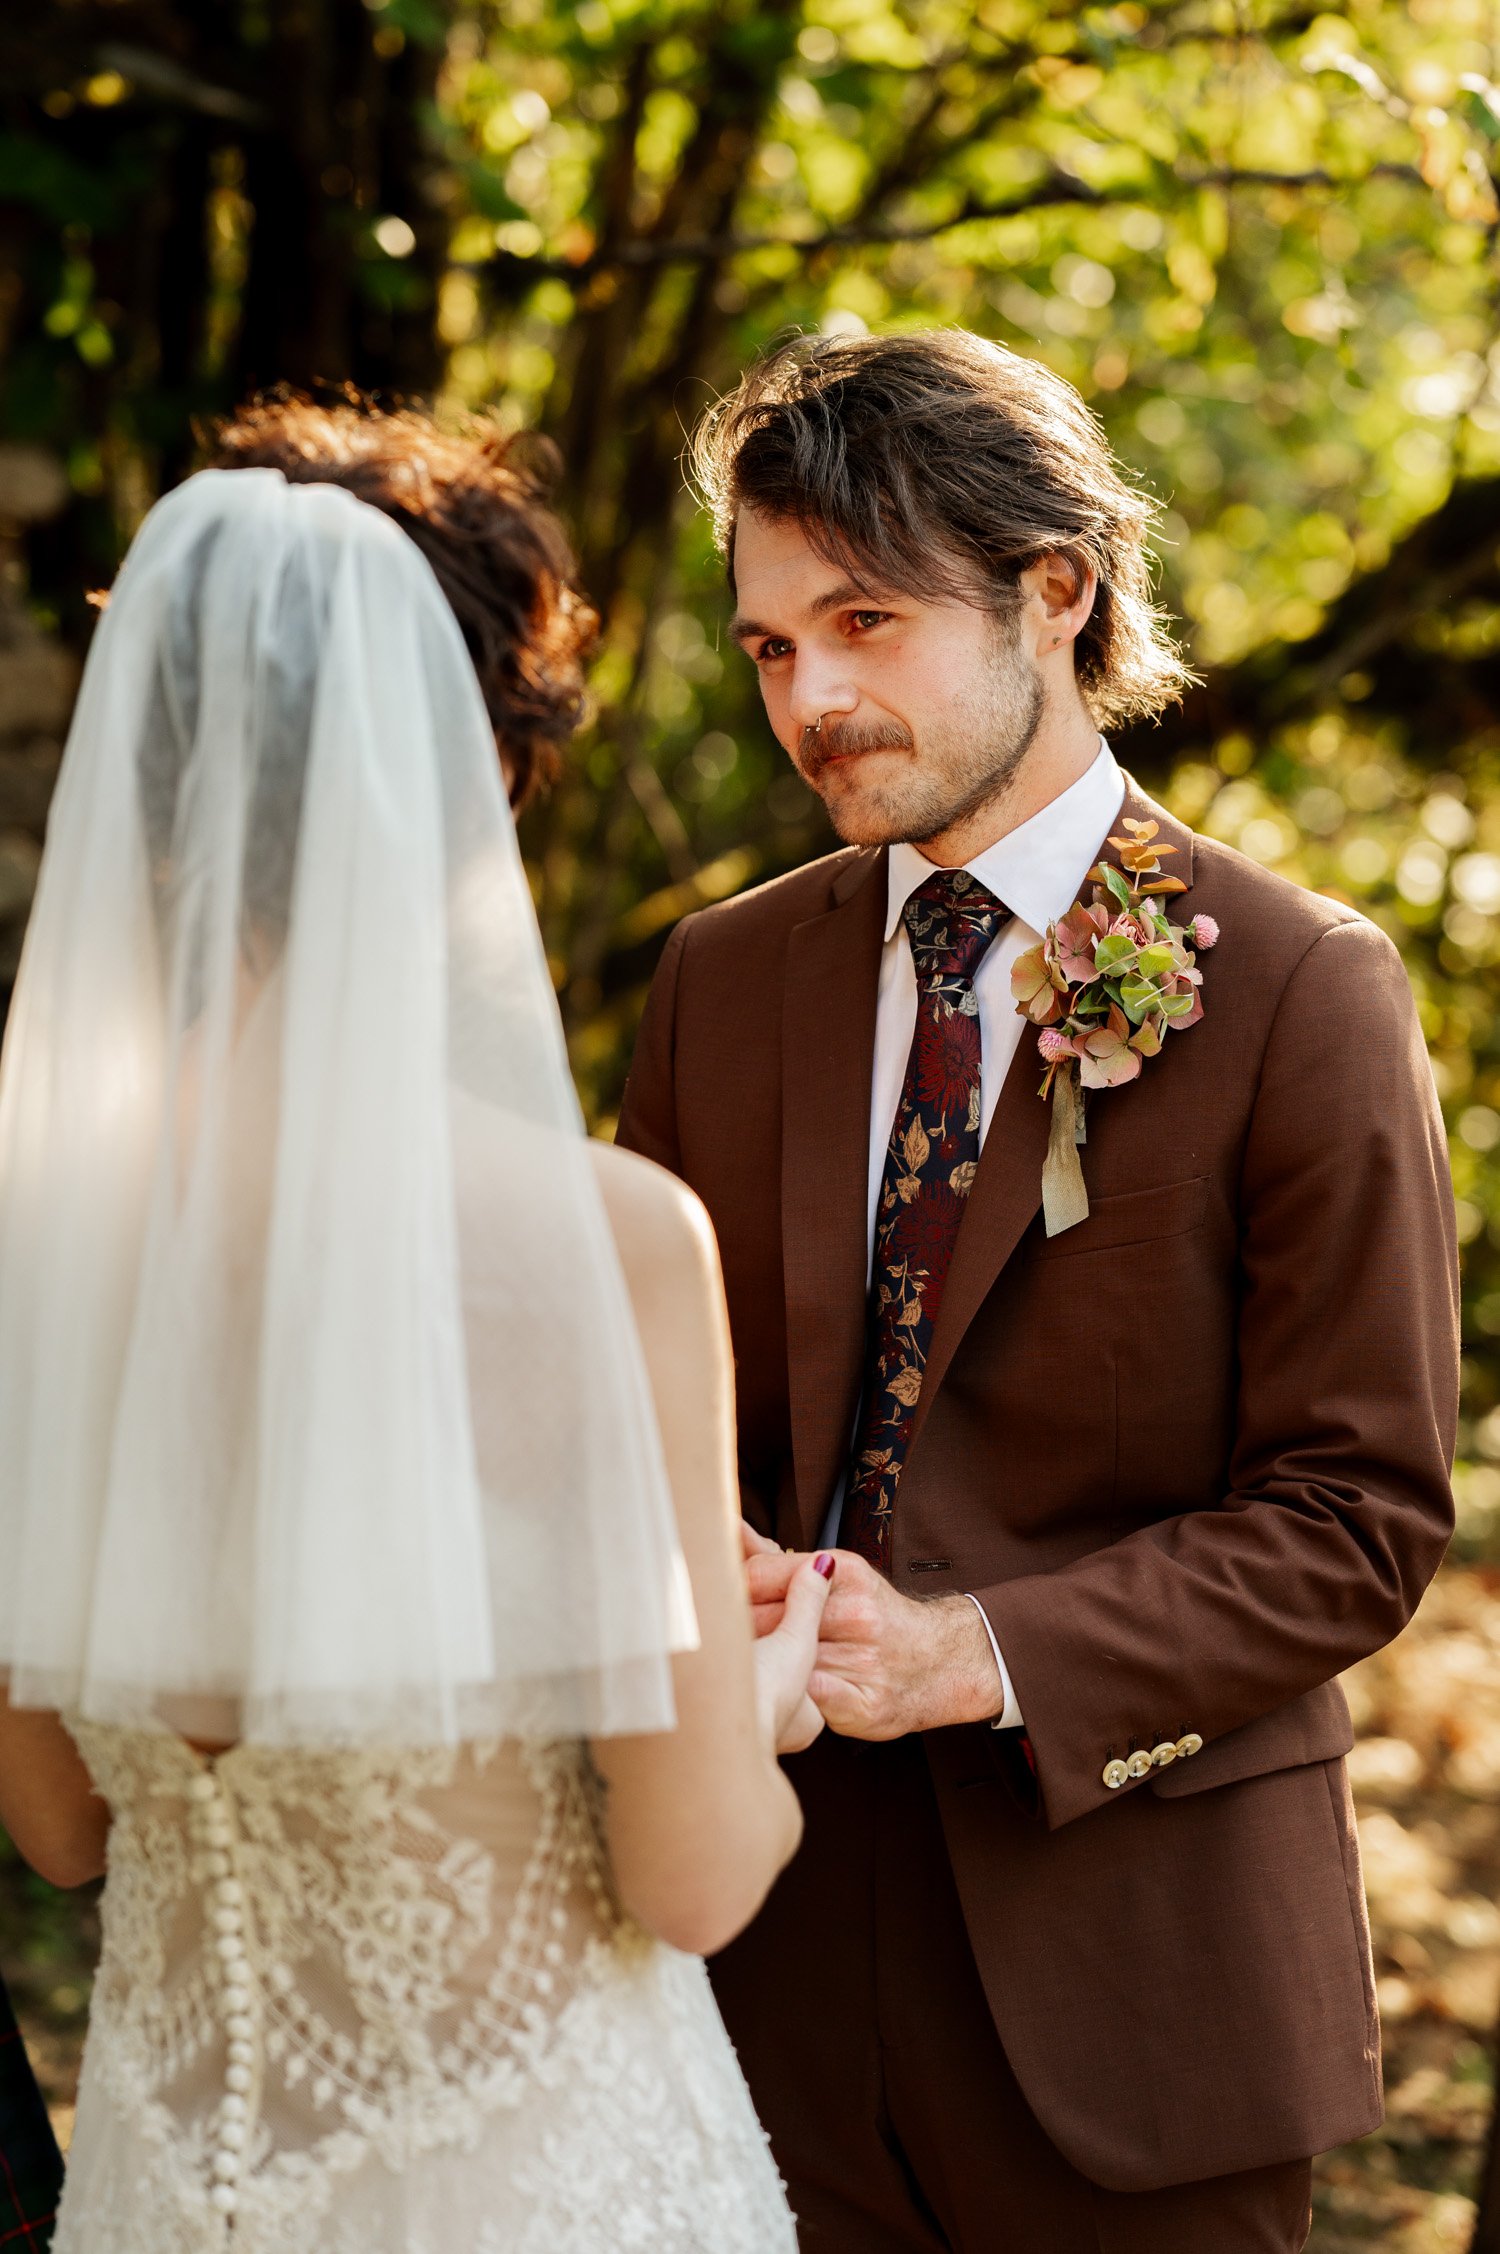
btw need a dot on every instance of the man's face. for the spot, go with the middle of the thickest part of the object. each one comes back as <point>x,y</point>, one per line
<point>927,709</point>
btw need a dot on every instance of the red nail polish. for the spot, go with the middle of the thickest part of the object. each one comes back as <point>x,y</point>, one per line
<point>824,1564</point>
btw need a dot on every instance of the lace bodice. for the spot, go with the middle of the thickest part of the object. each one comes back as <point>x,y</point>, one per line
<point>347,2000</point>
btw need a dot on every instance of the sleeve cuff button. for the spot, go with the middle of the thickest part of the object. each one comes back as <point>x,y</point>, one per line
<point>1189,1745</point>
<point>1115,1775</point>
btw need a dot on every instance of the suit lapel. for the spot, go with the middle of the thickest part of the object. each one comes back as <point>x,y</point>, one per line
<point>828,1055</point>
<point>1007,1190</point>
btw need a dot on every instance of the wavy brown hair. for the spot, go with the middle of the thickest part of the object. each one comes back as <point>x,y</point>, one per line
<point>936,462</point>
<point>475,502</point>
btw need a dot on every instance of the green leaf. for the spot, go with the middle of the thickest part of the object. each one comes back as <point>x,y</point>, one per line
<point>1116,883</point>
<point>419,19</point>
<point>488,193</point>
<point>1157,962</point>
<point>1138,997</point>
<point>1481,109</point>
<point>1113,950</point>
<point>1175,1005</point>
<point>46,179</point>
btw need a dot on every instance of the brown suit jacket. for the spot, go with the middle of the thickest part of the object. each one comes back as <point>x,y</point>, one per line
<point>1192,1456</point>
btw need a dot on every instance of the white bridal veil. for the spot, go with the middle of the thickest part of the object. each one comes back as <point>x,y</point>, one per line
<point>323,1415</point>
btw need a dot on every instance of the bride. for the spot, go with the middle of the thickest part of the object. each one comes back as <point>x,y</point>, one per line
<point>346,1393</point>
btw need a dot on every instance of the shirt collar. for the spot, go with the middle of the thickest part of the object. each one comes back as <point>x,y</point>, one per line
<point>1037,870</point>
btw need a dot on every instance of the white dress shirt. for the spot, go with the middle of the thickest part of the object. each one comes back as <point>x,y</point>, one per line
<point>1037,872</point>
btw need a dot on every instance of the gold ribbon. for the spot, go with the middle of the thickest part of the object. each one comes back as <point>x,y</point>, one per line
<point>1065,1201</point>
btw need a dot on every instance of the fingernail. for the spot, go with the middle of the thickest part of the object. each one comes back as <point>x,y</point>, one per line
<point>824,1564</point>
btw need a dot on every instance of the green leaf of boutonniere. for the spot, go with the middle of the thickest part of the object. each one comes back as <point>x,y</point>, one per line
<point>1112,951</point>
<point>1138,979</point>
<point>1138,997</point>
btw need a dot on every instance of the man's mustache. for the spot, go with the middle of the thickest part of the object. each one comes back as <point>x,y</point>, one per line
<point>838,739</point>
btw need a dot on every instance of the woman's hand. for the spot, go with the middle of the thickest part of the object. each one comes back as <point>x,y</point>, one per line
<point>786,1655</point>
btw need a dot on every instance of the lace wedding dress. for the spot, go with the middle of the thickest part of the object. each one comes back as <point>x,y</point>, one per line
<point>326,1421</point>
<point>381,2003</point>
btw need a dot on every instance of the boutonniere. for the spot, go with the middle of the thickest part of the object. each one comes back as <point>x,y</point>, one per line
<point>1106,984</point>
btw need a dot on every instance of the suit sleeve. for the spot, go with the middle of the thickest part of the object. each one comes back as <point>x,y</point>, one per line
<point>648,1111</point>
<point>1339,1504</point>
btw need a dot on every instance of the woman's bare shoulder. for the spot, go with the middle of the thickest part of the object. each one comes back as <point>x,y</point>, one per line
<point>662,1229</point>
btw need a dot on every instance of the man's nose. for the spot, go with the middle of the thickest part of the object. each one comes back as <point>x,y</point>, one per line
<point>818,688</point>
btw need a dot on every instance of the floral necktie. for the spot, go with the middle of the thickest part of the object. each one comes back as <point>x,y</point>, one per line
<point>929,1170</point>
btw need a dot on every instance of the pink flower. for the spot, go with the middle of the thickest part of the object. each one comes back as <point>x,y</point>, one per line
<point>1034,985</point>
<point>1053,1045</point>
<point>1105,1060</point>
<point>1203,931</point>
<point>1072,941</point>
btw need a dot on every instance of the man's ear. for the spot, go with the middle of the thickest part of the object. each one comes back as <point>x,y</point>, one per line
<point>1065,588</point>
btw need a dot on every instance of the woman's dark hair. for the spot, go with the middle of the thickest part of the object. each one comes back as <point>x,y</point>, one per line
<point>475,502</point>
<point>937,462</point>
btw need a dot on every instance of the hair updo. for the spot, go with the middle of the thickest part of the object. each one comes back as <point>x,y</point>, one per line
<point>475,502</point>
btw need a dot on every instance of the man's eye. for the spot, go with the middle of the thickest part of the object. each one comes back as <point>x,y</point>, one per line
<point>773,646</point>
<point>865,619</point>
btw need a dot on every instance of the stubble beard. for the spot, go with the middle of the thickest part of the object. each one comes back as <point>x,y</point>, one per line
<point>966,767</point>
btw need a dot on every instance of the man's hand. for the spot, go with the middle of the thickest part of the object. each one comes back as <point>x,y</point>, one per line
<point>887,1664</point>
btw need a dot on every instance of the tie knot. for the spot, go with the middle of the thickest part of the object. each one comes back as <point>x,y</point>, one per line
<point>950,921</point>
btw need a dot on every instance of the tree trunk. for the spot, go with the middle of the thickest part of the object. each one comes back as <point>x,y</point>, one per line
<point>1486,2239</point>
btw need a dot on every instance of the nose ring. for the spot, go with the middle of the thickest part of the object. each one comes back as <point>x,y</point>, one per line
<point>817,727</point>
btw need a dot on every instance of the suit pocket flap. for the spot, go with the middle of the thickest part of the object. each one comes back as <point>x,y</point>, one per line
<point>1315,1727</point>
<point>1134,1217</point>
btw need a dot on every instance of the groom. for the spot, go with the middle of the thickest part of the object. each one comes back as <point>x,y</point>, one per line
<point>1074,1959</point>
<point>30,2165</point>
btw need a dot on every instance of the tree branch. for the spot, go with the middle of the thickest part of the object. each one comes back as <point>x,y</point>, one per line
<point>1386,629</point>
<point>1056,190</point>
<point>1235,176</point>
<point>177,87</point>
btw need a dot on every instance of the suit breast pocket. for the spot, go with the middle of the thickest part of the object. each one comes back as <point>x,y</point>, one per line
<point>1170,1209</point>
<point>1147,1266</point>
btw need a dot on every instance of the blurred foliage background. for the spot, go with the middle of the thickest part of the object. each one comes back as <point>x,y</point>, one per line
<point>1261,238</point>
